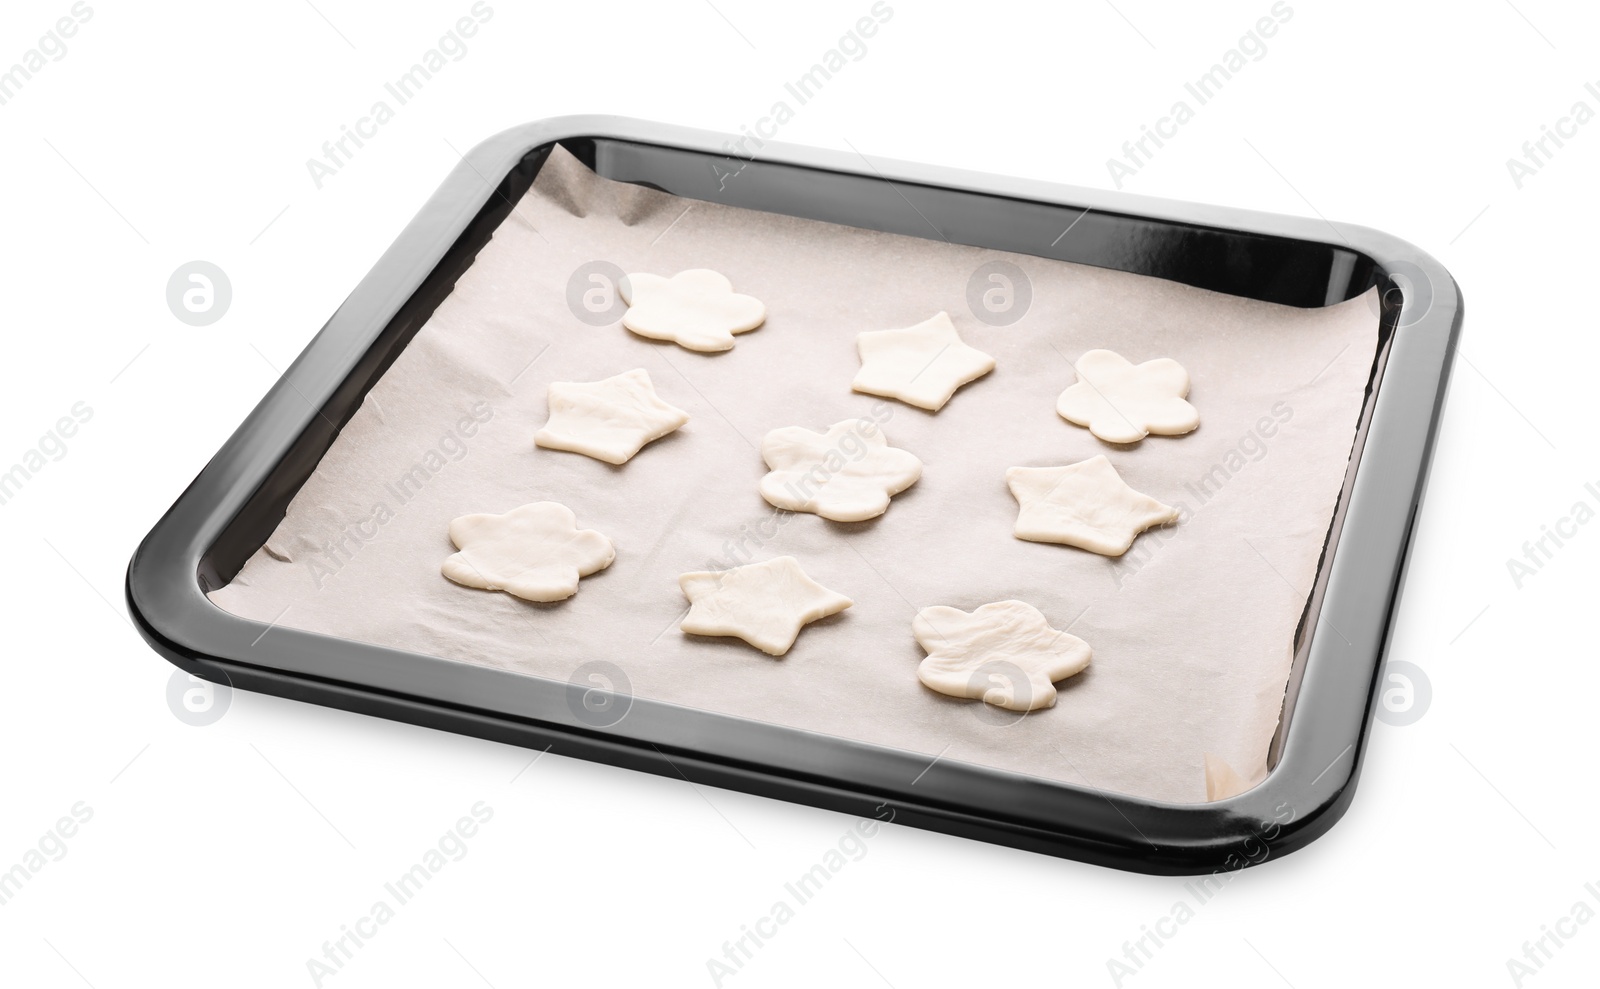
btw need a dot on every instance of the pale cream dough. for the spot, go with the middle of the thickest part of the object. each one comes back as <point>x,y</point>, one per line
<point>1087,505</point>
<point>695,309</point>
<point>611,419</point>
<point>1122,402</point>
<point>846,474</point>
<point>920,365</point>
<point>1004,653</point>
<point>765,604</point>
<point>536,552</point>
<point>1221,780</point>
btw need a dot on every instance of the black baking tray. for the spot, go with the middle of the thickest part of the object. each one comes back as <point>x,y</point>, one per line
<point>236,502</point>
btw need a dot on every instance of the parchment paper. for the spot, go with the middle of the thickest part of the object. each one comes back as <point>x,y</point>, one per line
<point>1191,631</point>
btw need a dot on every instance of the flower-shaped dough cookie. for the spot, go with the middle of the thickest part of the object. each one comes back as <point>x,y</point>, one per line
<point>695,309</point>
<point>611,419</point>
<point>1086,504</point>
<point>1004,653</point>
<point>1122,402</point>
<point>921,365</point>
<point>536,552</point>
<point>846,474</point>
<point>765,604</point>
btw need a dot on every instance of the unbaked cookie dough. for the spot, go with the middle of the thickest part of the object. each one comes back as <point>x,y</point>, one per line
<point>1122,402</point>
<point>921,365</point>
<point>846,474</point>
<point>695,309</point>
<point>1004,653</point>
<point>765,604</point>
<point>536,552</point>
<point>1221,781</point>
<point>1087,505</point>
<point>611,419</point>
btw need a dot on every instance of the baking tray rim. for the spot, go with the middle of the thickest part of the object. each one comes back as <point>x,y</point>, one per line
<point>1305,793</point>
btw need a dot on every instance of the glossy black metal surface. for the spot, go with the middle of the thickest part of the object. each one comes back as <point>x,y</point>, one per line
<point>240,497</point>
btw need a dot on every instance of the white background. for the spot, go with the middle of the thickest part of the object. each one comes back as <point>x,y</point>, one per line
<point>227,855</point>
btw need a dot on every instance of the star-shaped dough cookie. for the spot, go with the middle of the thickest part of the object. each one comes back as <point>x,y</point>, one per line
<point>1004,653</point>
<point>1122,402</point>
<point>695,309</point>
<point>1086,504</point>
<point>846,474</point>
<point>536,552</point>
<point>611,419</point>
<point>921,365</point>
<point>765,604</point>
